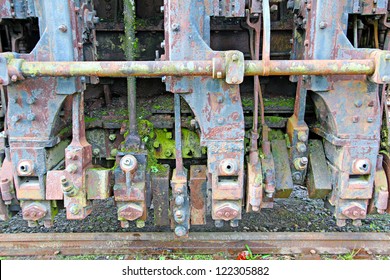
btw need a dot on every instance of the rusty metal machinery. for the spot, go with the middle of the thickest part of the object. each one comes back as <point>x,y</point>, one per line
<point>187,111</point>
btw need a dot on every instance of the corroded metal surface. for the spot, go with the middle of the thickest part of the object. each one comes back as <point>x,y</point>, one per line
<point>72,122</point>
<point>205,243</point>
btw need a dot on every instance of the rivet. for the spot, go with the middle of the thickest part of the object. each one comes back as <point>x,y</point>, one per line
<point>370,120</point>
<point>31,117</point>
<point>386,79</point>
<point>175,27</point>
<point>355,119</point>
<point>63,28</point>
<point>75,209</point>
<point>323,24</point>
<point>358,103</point>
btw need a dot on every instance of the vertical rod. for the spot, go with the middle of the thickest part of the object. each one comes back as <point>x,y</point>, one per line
<point>78,127</point>
<point>129,49</point>
<point>355,31</point>
<point>300,101</point>
<point>178,142</point>
<point>266,37</point>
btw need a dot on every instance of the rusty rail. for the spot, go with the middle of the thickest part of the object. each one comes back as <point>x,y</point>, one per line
<point>203,243</point>
<point>193,68</point>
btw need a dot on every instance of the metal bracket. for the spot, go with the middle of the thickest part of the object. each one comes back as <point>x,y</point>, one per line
<point>382,67</point>
<point>235,67</point>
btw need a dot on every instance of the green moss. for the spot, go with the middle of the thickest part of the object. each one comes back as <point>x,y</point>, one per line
<point>279,102</point>
<point>275,134</point>
<point>90,119</point>
<point>274,119</point>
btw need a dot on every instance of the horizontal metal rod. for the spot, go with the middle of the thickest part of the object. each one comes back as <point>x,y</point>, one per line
<point>194,68</point>
<point>198,242</point>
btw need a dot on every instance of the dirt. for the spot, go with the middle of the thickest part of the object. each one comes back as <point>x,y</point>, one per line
<point>296,214</point>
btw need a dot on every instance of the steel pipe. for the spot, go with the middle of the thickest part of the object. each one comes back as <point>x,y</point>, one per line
<point>194,68</point>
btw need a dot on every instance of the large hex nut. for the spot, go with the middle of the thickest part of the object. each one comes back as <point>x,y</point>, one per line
<point>34,212</point>
<point>227,212</point>
<point>130,212</point>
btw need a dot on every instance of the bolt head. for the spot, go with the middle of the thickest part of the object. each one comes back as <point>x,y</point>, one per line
<point>386,79</point>
<point>63,28</point>
<point>75,209</point>
<point>179,200</point>
<point>323,24</point>
<point>180,231</point>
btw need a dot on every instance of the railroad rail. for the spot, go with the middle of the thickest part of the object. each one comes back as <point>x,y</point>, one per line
<point>200,243</point>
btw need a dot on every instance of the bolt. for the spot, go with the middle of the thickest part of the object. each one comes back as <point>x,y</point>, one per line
<point>386,79</point>
<point>387,56</point>
<point>313,252</point>
<point>112,137</point>
<point>156,144</point>
<point>323,24</point>
<point>175,27</point>
<point>218,223</point>
<point>96,152</point>
<point>234,57</point>
<point>168,153</point>
<point>63,28</point>
<point>355,119</point>
<point>162,45</point>
<point>221,120</point>
<point>71,168</point>
<point>374,10</point>
<point>301,147</point>
<point>304,161</point>
<point>274,8</point>
<point>163,79</point>
<point>358,103</point>
<point>291,41</point>
<point>96,20</point>
<point>302,136</point>
<point>219,75</point>
<point>140,223</point>
<point>341,223</point>
<point>15,118</point>
<point>357,223</point>
<point>180,231</point>
<point>234,80</point>
<point>162,9</point>
<point>31,100</point>
<point>297,176</point>
<point>114,152</point>
<point>179,200</point>
<point>220,99</point>
<point>306,43</point>
<point>234,223</point>
<point>179,214</point>
<point>75,209</point>
<point>31,117</point>
<point>370,120</point>
<point>14,78</point>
